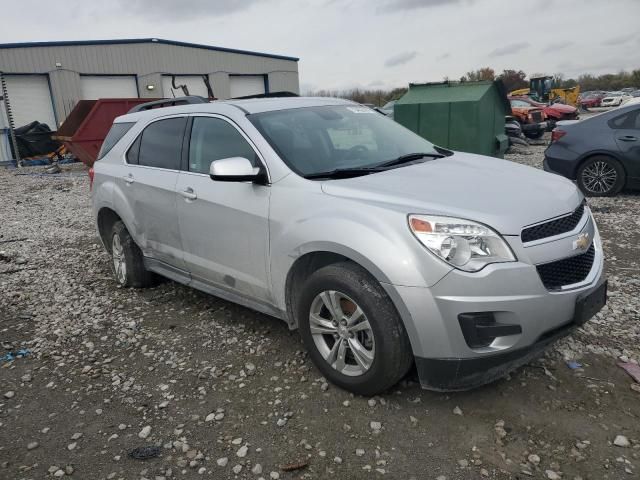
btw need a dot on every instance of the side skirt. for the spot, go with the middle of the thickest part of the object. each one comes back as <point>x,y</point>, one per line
<point>185,278</point>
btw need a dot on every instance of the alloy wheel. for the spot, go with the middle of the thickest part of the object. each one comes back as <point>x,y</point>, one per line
<point>599,177</point>
<point>342,333</point>
<point>119,262</point>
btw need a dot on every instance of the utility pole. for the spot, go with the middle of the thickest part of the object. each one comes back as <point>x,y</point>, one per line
<point>7,106</point>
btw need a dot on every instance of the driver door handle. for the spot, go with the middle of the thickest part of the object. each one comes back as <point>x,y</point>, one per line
<point>129,179</point>
<point>628,138</point>
<point>189,194</point>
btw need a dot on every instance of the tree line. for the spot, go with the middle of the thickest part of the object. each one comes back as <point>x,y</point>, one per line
<point>512,79</point>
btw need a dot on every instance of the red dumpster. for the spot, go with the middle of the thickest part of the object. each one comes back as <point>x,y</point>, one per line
<point>87,125</point>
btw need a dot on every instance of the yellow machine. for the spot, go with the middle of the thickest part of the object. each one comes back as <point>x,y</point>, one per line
<point>540,89</point>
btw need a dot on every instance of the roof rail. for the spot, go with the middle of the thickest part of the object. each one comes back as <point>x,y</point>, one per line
<point>169,102</point>
<point>267,95</point>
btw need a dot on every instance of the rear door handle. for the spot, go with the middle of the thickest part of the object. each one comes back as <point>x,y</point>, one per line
<point>129,179</point>
<point>628,138</point>
<point>189,194</point>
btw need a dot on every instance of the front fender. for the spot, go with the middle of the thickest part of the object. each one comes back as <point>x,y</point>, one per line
<point>376,238</point>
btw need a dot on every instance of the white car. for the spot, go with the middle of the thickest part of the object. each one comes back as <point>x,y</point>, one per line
<point>615,99</point>
<point>631,101</point>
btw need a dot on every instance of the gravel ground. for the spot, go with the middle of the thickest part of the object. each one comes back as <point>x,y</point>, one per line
<point>225,392</point>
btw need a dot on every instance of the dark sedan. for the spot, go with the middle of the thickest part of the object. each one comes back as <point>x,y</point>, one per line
<point>601,153</point>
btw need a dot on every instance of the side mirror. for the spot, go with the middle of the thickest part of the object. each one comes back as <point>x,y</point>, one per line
<point>234,169</point>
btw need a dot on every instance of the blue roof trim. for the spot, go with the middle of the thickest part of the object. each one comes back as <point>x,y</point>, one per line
<point>71,43</point>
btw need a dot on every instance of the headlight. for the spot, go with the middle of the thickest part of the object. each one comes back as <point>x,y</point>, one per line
<point>466,245</point>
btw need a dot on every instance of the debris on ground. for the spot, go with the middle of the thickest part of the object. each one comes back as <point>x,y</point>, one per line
<point>143,453</point>
<point>633,369</point>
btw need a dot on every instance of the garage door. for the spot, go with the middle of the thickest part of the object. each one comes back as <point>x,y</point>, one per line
<point>243,85</point>
<point>93,87</point>
<point>30,99</point>
<point>194,83</point>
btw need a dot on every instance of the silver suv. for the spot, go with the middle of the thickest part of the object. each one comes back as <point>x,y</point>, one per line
<point>382,249</point>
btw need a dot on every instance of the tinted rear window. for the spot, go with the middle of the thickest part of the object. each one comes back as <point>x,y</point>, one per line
<point>118,130</point>
<point>161,144</point>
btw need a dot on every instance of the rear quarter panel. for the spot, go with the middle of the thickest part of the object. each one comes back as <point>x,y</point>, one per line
<point>584,139</point>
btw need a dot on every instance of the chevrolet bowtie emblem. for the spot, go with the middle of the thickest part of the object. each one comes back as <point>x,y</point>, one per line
<point>582,242</point>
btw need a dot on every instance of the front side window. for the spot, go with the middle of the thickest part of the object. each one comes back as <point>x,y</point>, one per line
<point>117,131</point>
<point>519,103</point>
<point>161,144</point>
<point>215,139</point>
<point>313,140</point>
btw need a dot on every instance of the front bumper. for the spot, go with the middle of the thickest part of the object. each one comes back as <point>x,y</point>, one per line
<point>514,294</point>
<point>457,374</point>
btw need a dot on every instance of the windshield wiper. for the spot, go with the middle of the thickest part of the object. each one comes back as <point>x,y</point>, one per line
<point>409,157</point>
<point>345,172</point>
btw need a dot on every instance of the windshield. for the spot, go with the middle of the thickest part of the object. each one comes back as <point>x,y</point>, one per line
<point>313,140</point>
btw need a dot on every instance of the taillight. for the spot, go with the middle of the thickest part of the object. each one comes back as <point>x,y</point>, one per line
<point>557,134</point>
<point>91,174</point>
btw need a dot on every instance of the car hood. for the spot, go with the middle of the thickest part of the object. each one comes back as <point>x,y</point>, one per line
<point>504,195</point>
<point>526,110</point>
<point>560,108</point>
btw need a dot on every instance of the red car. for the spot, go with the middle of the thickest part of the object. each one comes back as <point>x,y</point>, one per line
<point>590,101</point>
<point>554,112</point>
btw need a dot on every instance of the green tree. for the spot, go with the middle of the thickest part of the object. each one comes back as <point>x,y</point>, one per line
<point>485,73</point>
<point>513,79</point>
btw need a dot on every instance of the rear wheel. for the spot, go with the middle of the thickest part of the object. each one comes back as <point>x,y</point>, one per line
<point>601,176</point>
<point>127,259</point>
<point>352,331</point>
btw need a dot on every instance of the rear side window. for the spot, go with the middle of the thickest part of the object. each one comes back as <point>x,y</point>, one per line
<point>161,144</point>
<point>214,139</point>
<point>134,151</point>
<point>118,130</point>
<point>630,120</point>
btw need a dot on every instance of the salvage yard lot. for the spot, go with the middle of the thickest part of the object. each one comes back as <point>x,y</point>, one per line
<point>210,378</point>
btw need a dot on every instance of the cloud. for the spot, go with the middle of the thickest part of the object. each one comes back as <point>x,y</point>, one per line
<point>399,5</point>
<point>510,49</point>
<point>189,10</point>
<point>400,59</point>
<point>556,46</point>
<point>619,40</point>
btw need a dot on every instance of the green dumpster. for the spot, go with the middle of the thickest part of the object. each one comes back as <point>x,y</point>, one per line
<point>465,116</point>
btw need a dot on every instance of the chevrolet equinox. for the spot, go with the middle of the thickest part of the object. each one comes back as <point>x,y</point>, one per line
<point>382,249</point>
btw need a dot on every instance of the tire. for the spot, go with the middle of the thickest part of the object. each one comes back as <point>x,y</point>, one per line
<point>384,344</point>
<point>535,135</point>
<point>127,260</point>
<point>610,172</point>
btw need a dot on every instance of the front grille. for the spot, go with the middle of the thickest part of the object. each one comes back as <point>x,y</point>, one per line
<point>567,271</point>
<point>554,227</point>
<point>536,116</point>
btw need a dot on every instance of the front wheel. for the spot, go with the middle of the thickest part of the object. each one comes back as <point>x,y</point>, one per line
<point>601,176</point>
<point>352,330</point>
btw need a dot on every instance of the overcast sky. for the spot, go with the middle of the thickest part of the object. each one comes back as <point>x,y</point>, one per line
<point>362,43</point>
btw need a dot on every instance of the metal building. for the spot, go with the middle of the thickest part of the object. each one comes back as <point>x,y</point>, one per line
<point>44,80</point>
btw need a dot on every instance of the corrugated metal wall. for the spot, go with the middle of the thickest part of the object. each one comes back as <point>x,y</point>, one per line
<point>148,61</point>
